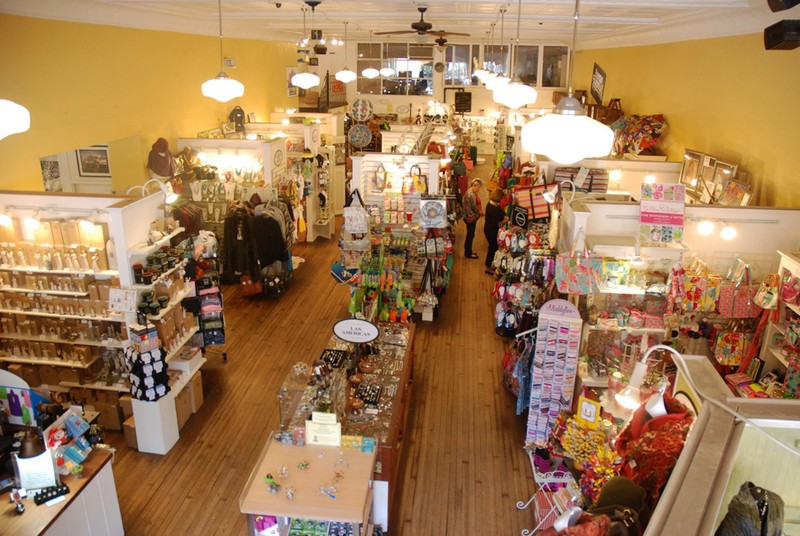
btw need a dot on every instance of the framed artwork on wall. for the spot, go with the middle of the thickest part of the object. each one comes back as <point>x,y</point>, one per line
<point>93,161</point>
<point>291,91</point>
<point>598,84</point>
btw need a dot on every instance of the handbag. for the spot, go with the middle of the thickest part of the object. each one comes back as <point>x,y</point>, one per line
<point>274,282</point>
<point>356,219</point>
<point>767,294</point>
<point>578,273</point>
<point>250,287</point>
<point>736,298</point>
<point>731,346</point>
<point>790,288</point>
<point>532,199</point>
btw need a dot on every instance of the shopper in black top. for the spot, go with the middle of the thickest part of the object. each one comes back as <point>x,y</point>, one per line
<point>494,219</point>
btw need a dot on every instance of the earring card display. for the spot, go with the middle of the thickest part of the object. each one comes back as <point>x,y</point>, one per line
<point>558,335</point>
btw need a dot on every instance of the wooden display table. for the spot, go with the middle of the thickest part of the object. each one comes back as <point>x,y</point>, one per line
<point>91,506</point>
<point>353,495</point>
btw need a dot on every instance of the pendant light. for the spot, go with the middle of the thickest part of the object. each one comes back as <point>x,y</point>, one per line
<point>386,71</point>
<point>305,79</point>
<point>481,72</point>
<point>515,94</point>
<point>495,82</point>
<point>222,88</point>
<point>14,118</point>
<point>345,76</point>
<point>568,135</point>
<point>370,72</point>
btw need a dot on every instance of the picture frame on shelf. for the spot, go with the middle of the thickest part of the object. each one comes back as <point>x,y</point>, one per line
<point>93,161</point>
<point>691,169</point>
<point>734,194</point>
<point>588,413</point>
<point>723,171</point>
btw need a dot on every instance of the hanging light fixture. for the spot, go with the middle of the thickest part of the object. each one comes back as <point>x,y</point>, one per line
<point>515,94</point>
<point>14,118</point>
<point>5,218</point>
<point>496,82</point>
<point>370,72</point>
<point>222,88</point>
<point>481,72</point>
<point>568,135</point>
<point>345,76</point>
<point>386,71</point>
<point>305,79</point>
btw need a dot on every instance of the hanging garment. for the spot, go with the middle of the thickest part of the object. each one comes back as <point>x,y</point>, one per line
<point>269,240</point>
<point>238,247</point>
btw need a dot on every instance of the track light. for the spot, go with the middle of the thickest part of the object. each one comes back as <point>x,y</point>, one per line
<point>705,227</point>
<point>32,221</point>
<point>5,218</point>
<point>728,232</point>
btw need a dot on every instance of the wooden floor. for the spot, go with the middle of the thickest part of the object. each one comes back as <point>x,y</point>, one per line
<point>463,466</point>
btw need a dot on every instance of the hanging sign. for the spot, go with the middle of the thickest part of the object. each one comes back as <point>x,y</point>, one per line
<point>661,212</point>
<point>356,330</point>
<point>463,102</point>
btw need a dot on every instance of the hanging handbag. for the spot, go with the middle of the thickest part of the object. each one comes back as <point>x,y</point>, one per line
<point>736,298</point>
<point>731,346</point>
<point>356,219</point>
<point>532,199</point>
<point>767,295</point>
<point>578,272</point>
<point>250,287</point>
<point>274,282</point>
<point>790,288</point>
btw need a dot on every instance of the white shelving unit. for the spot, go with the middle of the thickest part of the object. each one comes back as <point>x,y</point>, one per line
<point>770,352</point>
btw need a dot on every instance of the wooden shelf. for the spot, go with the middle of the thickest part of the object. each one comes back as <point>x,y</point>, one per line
<point>99,386</point>
<point>34,270</point>
<point>48,292</point>
<point>47,361</point>
<point>181,343</point>
<point>59,315</point>
<point>83,342</point>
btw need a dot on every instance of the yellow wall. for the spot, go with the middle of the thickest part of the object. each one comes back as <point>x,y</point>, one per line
<point>86,84</point>
<point>727,97</point>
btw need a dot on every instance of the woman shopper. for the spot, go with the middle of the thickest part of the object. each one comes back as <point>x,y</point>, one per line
<point>495,218</point>
<point>472,213</point>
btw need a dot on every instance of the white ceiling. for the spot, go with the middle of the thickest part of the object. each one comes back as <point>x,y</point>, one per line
<point>603,23</point>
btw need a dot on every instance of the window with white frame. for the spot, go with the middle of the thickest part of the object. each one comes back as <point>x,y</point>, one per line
<point>459,63</point>
<point>411,63</point>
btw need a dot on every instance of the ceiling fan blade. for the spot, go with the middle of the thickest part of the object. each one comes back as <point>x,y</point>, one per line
<point>442,33</point>
<point>400,32</point>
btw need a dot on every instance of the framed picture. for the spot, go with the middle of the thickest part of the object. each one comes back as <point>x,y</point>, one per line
<point>723,172</point>
<point>228,127</point>
<point>598,84</point>
<point>588,412</point>
<point>251,117</point>
<point>93,161</point>
<point>291,91</point>
<point>734,194</point>
<point>692,168</point>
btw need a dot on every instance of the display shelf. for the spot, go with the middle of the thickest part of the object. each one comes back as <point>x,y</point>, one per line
<point>59,315</point>
<point>779,356</point>
<point>48,292</point>
<point>780,327</point>
<point>181,343</point>
<point>145,249</point>
<point>178,297</point>
<point>622,289</point>
<point>793,307</point>
<point>47,361</point>
<point>35,270</point>
<point>82,342</point>
<point>587,380</point>
<point>98,385</point>
<point>162,277</point>
<point>186,377</point>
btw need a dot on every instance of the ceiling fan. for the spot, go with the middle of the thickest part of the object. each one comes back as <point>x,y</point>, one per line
<point>422,27</point>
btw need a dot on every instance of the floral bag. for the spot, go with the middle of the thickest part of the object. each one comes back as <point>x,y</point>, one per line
<point>767,295</point>
<point>578,273</point>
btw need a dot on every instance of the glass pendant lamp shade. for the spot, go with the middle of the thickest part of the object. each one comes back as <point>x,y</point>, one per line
<point>305,80</point>
<point>346,76</point>
<point>222,88</point>
<point>14,118</point>
<point>515,94</point>
<point>496,81</point>
<point>566,135</point>
<point>370,73</point>
<point>386,71</point>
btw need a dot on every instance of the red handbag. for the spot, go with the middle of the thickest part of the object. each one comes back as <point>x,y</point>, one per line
<point>250,287</point>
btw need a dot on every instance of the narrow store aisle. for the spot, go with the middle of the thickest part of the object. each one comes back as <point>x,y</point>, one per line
<point>464,466</point>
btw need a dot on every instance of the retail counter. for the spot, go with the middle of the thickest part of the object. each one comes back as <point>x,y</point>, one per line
<point>91,506</point>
